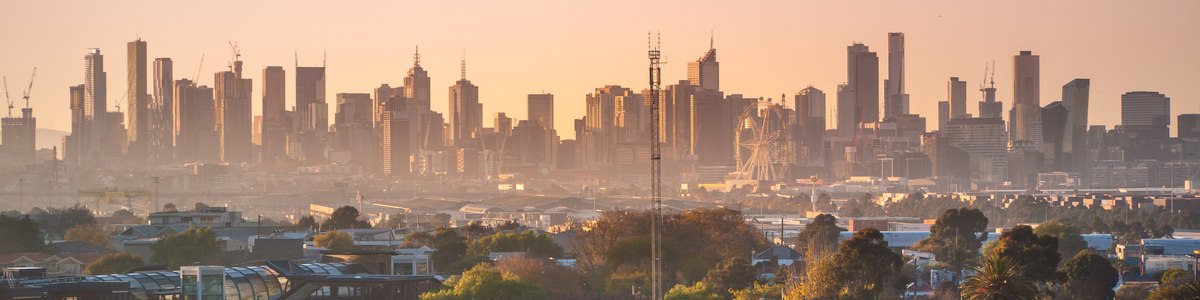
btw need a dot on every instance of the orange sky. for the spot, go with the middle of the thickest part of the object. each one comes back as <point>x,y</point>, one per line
<point>568,48</point>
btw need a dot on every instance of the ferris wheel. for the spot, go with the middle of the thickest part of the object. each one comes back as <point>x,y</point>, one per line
<point>764,149</point>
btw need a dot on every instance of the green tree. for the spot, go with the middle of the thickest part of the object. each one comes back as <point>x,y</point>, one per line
<point>541,272</point>
<point>956,236</point>
<point>538,245</point>
<point>821,233</point>
<point>486,282</point>
<point>58,220</point>
<point>1069,240</point>
<point>759,291</point>
<point>1186,290</point>
<point>20,235</point>
<point>114,263</point>
<point>698,291</point>
<point>999,278</point>
<point>334,240</point>
<point>449,247</point>
<point>89,233</point>
<point>169,207</point>
<point>188,247</point>
<point>418,239</point>
<point>1090,276</point>
<point>1035,255</point>
<point>732,274</point>
<point>867,264</point>
<point>307,222</point>
<point>345,217</point>
<point>1169,276</point>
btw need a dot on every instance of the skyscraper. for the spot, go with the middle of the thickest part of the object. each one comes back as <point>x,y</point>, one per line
<point>394,143</point>
<point>416,84</point>
<point>310,99</point>
<point>541,109</point>
<point>95,107</point>
<point>1054,127</point>
<point>863,81</point>
<point>274,130</point>
<point>705,72</point>
<point>895,100</point>
<point>810,115</point>
<point>1025,119</point>
<point>234,114</point>
<point>353,130</point>
<point>1075,147</point>
<point>1146,114</point>
<point>139,104</point>
<point>161,131</point>
<point>984,142</point>
<point>466,113</point>
<point>956,92</point>
<point>18,135</point>
<point>943,114</point>
<point>989,107</point>
<point>846,124</point>
<point>1189,126</point>
<point>74,151</point>
<point>195,117</point>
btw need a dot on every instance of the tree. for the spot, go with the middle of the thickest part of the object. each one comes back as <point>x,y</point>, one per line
<point>1090,276</point>
<point>1069,240</point>
<point>345,217</point>
<point>449,247</point>
<point>20,235</point>
<point>999,278</point>
<point>334,240</point>
<point>124,216</point>
<point>417,239</point>
<point>1132,291</point>
<point>187,247</point>
<point>544,273</point>
<point>1035,255</point>
<point>758,291</point>
<point>169,207</point>
<point>698,291</point>
<point>199,206</point>
<point>1169,276</point>
<point>538,245</point>
<point>732,274</point>
<point>114,263</point>
<point>867,264</point>
<point>1187,290</point>
<point>58,220</point>
<point>956,236</point>
<point>307,222</point>
<point>821,233</point>
<point>485,282</point>
<point>89,233</point>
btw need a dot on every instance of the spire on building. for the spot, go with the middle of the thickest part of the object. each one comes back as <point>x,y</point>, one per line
<point>710,40</point>
<point>417,57</point>
<point>464,65</point>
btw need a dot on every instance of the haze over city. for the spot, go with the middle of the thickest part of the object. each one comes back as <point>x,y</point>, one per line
<point>536,150</point>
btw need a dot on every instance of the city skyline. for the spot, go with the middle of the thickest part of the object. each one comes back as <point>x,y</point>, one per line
<point>808,53</point>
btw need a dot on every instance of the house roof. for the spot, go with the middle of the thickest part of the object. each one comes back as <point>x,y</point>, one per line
<point>780,252</point>
<point>76,247</point>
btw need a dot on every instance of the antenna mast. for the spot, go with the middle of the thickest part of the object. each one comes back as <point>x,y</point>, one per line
<point>655,44</point>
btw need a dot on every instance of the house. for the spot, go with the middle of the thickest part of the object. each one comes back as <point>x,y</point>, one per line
<point>413,261</point>
<point>779,255</point>
<point>61,264</point>
<point>207,217</point>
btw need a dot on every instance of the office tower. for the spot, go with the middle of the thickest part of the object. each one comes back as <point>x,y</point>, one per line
<point>675,106</point>
<point>1054,125</point>
<point>989,107</point>
<point>18,135</point>
<point>532,144</point>
<point>956,92</point>
<point>810,116</point>
<point>195,117</point>
<point>541,109</point>
<point>1075,148</point>
<point>416,84</point>
<point>705,72</point>
<point>1026,114</point>
<point>895,100</point>
<point>73,151</point>
<point>233,114</point>
<point>503,125</point>
<point>1189,127</point>
<point>274,127</point>
<point>713,119</point>
<point>466,113</point>
<point>353,132</point>
<point>1146,114</point>
<point>943,114</point>
<point>846,125</point>
<point>353,108</point>
<point>394,143</point>
<point>310,99</point>
<point>984,141</point>
<point>387,96</point>
<point>161,146</point>
<point>601,125</point>
<point>863,81</point>
<point>95,107</point>
<point>138,105</point>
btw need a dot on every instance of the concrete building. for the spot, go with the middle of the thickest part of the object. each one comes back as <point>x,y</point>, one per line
<point>205,217</point>
<point>810,116</point>
<point>195,122</point>
<point>1075,149</point>
<point>18,138</point>
<point>1054,126</point>
<point>274,127</point>
<point>956,91</point>
<point>416,84</point>
<point>95,109</point>
<point>1025,116</point>
<point>705,72</point>
<point>466,113</point>
<point>1189,126</point>
<point>895,99</point>
<point>160,146</point>
<point>863,82</point>
<point>139,103</point>
<point>984,141</point>
<point>310,99</point>
<point>234,131</point>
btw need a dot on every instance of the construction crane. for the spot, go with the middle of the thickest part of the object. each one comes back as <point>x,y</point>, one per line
<point>28,89</point>
<point>196,79</point>
<point>113,196</point>
<point>656,224</point>
<point>237,54</point>
<point>6,98</point>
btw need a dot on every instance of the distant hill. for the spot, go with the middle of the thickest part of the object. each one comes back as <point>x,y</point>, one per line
<point>47,138</point>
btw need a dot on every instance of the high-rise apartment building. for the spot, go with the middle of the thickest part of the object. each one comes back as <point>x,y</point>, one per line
<point>195,117</point>
<point>541,109</point>
<point>989,107</point>
<point>1075,148</point>
<point>1146,114</point>
<point>73,150</point>
<point>274,127</point>
<point>1025,116</point>
<point>846,121</point>
<point>234,114</point>
<point>1189,126</point>
<point>95,108</point>
<point>956,92</point>
<point>394,141</point>
<point>139,103</point>
<point>810,116</point>
<point>18,136</point>
<point>895,99</point>
<point>983,139</point>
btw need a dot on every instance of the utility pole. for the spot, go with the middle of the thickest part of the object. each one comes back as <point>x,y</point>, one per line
<point>655,166</point>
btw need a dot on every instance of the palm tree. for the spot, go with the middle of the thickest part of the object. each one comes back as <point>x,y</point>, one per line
<point>998,278</point>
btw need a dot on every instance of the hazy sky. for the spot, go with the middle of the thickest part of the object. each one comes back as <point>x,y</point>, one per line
<point>568,48</point>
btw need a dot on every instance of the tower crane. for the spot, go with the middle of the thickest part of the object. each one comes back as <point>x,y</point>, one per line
<point>28,90</point>
<point>6,98</point>
<point>196,79</point>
